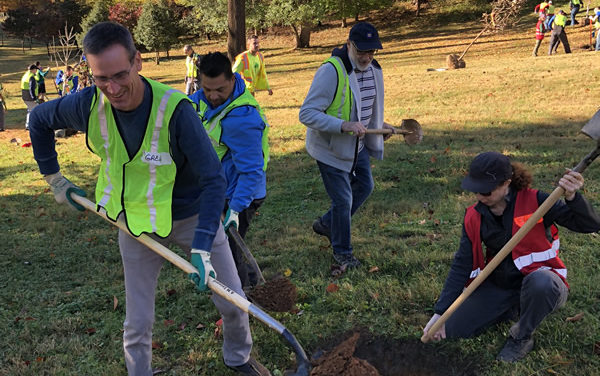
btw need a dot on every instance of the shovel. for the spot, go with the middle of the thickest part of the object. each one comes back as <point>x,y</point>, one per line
<point>410,129</point>
<point>302,362</point>
<point>591,129</point>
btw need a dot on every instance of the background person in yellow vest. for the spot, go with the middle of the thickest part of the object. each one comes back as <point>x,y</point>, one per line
<point>70,83</point>
<point>150,140</point>
<point>29,91</point>
<point>344,99</point>
<point>550,9</point>
<point>238,130</point>
<point>520,288</point>
<point>595,19</point>
<point>191,81</point>
<point>250,65</point>
<point>575,5</point>
<point>558,35</point>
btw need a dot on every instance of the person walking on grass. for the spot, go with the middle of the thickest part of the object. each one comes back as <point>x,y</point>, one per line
<point>344,100</point>
<point>250,64</point>
<point>540,29</point>
<point>191,81</point>
<point>159,173</point>
<point>41,75</point>
<point>239,132</point>
<point>531,284</point>
<point>575,5</point>
<point>558,35</point>
<point>29,91</point>
<point>595,19</point>
<point>3,108</point>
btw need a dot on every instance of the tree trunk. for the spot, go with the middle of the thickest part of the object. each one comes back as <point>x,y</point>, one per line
<point>356,17</point>
<point>418,7</point>
<point>157,58</point>
<point>302,38</point>
<point>344,23</point>
<point>236,22</point>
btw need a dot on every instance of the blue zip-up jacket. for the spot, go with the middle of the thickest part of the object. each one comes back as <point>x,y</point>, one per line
<point>199,183</point>
<point>242,131</point>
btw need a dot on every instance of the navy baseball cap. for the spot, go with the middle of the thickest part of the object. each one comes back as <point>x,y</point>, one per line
<point>487,171</point>
<point>365,37</point>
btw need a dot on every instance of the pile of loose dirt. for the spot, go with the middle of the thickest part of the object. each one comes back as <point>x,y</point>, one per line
<point>277,295</point>
<point>452,62</point>
<point>341,362</point>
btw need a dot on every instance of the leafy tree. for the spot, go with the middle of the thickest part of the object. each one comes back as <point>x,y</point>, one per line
<point>99,13</point>
<point>198,21</point>
<point>126,13</point>
<point>155,28</point>
<point>300,15</point>
<point>19,22</point>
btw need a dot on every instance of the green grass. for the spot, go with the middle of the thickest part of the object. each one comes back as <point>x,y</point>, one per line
<point>61,270</point>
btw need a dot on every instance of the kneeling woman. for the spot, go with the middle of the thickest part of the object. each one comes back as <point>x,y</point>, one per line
<point>533,282</point>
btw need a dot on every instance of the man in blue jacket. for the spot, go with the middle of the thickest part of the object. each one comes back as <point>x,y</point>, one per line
<point>159,172</point>
<point>239,132</point>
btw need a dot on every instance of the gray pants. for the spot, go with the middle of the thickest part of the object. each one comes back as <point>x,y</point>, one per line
<point>142,267</point>
<point>30,106</point>
<point>192,85</point>
<point>541,293</point>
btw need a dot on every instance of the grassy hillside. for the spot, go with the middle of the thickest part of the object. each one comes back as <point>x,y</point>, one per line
<point>61,289</point>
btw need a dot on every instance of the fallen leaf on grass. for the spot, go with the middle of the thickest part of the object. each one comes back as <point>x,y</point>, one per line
<point>575,318</point>
<point>156,345</point>
<point>422,221</point>
<point>219,328</point>
<point>287,272</point>
<point>39,359</point>
<point>90,331</point>
<point>597,348</point>
<point>115,303</point>
<point>168,322</point>
<point>374,269</point>
<point>171,292</point>
<point>332,287</point>
<point>41,211</point>
<point>550,370</point>
<point>200,326</point>
<point>182,326</point>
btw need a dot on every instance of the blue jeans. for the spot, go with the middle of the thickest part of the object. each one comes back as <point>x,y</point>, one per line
<point>574,12</point>
<point>347,191</point>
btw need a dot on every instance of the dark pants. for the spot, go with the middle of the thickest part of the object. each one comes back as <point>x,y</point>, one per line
<point>558,35</point>
<point>247,275</point>
<point>347,191</point>
<point>541,293</point>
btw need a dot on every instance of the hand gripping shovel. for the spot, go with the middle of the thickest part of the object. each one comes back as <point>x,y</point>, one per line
<point>410,129</point>
<point>591,129</point>
<point>302,362</point>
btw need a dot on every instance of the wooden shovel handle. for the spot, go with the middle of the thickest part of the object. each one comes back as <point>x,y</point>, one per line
<point>388,131</point>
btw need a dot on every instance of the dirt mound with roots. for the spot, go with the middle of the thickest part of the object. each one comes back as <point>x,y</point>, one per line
<point>277,295</point>
<point>366,355</point>
<point>452,62</point>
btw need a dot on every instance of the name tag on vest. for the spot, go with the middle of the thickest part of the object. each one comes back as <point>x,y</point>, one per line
<point>158,159</point>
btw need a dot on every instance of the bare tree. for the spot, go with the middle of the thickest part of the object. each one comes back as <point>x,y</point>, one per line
<point>68,49</point>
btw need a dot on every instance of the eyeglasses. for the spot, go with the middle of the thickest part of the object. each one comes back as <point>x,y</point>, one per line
<point>120,78</point>
<point>369,53</point>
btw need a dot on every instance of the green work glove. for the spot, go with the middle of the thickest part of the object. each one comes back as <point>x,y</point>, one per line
<point>201,261</point>
<point>62,189</point>
<point>231,219</point>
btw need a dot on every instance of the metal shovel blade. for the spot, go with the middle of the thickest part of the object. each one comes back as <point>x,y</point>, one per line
<point>413,126</point>
<point>592,127</point>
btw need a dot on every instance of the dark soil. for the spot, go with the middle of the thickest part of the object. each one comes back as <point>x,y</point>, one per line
<point>452,62</point>
<point>276,295</point>
<point>394,357</point>
<point>341,362</point>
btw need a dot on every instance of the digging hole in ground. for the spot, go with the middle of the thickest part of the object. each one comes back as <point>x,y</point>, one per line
<point>362,354</point>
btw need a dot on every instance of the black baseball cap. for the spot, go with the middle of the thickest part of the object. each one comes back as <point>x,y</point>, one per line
<point>365,37</point>
<point>33,66</point>
<point>487,171</point>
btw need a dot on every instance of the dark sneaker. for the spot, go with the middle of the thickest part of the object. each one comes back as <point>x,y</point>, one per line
<point>251,368</point>
<point>346,261</point>
<point>321,229</point>
<point>515,350</point>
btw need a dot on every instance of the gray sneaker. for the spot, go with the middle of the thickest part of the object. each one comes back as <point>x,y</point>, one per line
<point>251,368</point>
<point>347,261</point>
<point>515,349</point>
<point>321,229</point>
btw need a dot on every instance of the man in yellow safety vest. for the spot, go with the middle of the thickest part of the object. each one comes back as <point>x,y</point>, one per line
<point>250,65</point>
<point>192,79</point>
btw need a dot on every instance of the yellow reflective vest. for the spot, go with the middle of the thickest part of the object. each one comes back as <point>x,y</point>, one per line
<point>25,82</point>
<point>341,106</point>
<point>140,187</point>
<point>190,65</point>
<point>214,129</point>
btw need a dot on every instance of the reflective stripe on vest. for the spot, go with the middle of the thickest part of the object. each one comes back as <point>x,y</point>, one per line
<point>560,20</point>
<point>140,187</point>
<point>341,106</point>
<point>214,130</point>
<point>524,261</point>
<point>25,81</point>
<point>191,68</point>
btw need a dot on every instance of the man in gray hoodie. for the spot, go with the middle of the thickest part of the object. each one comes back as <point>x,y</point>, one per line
<point>344,100</point>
